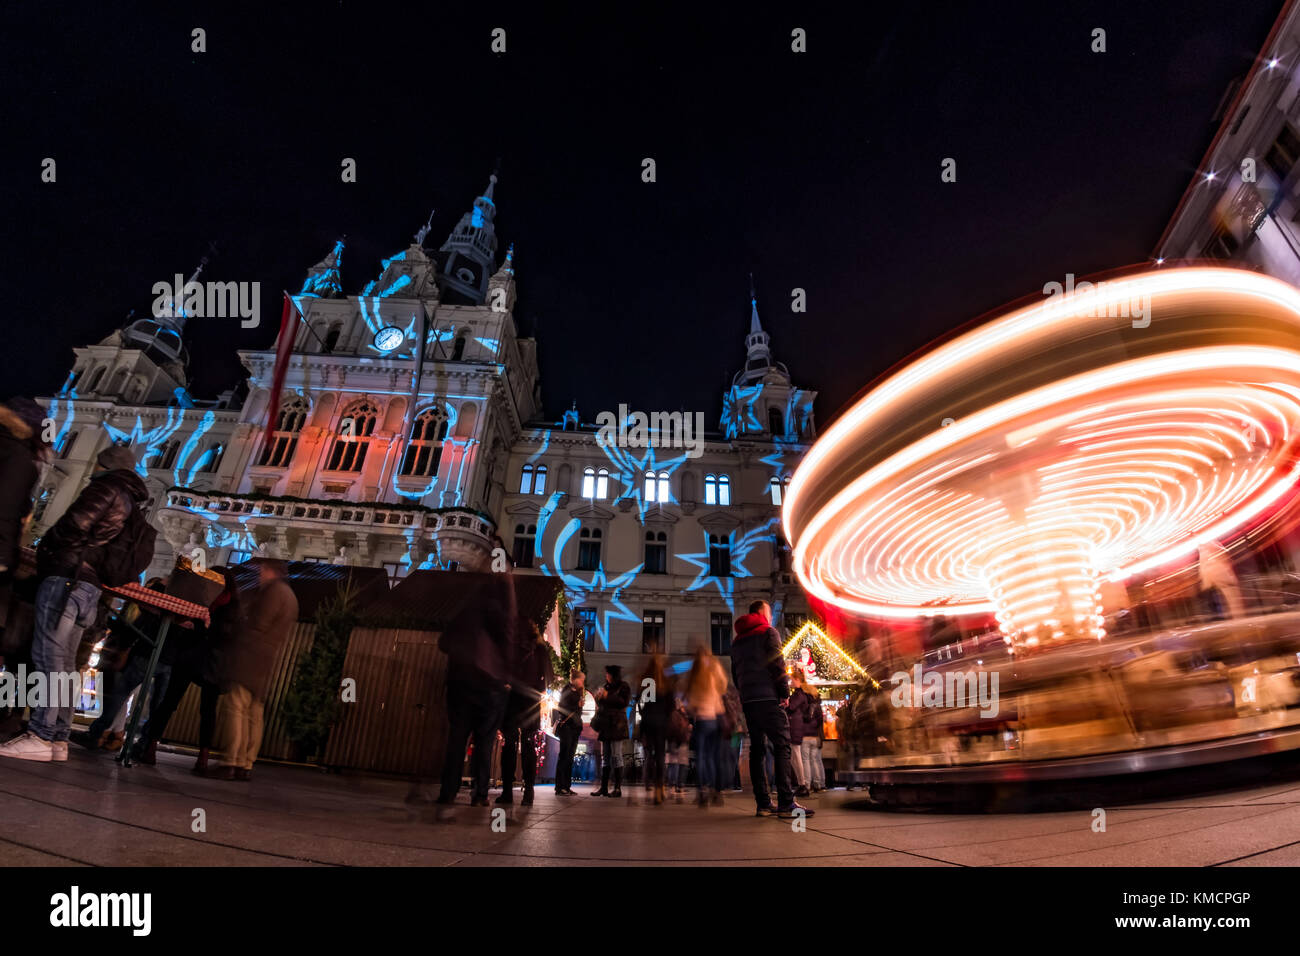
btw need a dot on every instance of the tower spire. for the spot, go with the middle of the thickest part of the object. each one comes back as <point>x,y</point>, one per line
<point>758,352</point>
<point>468,257</point>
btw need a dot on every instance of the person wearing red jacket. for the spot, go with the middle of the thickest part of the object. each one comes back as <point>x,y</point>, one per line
<point>759,673</point>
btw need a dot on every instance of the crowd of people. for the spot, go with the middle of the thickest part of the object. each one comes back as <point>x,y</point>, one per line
<point>499,667</point>
<point>104,539</point>
<point>498,672</point>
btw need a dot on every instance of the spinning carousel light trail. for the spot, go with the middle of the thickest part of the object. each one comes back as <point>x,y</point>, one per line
<point>1081,448</point>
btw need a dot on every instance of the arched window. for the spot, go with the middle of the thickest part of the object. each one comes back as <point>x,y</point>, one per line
<point>65,447</point>
<point>424,450</point>
<point>356,425</point>
<point>656,487</point>
<point>526,480</point>
<point>775,423</point>
<point>724,490</point>
<point>458,349</point>
<point>278,452</point>
<point>169,454</point>
<point>95,378</point>
<point>539,480</point>
<point>656,552</point>
<point>776,488</point>
<point>212,459</point>
<point>332,338</point>
<point>710,489</point>
<point>525,545</point>
<point>595,484</point>
<point>719,556</point>
<point>589,549</point>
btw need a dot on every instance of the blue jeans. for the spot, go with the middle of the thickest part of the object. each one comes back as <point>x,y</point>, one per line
<point>64,608</point>
<point>706,754</point>
<point>121,686</point>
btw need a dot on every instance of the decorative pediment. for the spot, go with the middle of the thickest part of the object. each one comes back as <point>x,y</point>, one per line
<point>526,508</point>
<point>719,521</point>
<point>658,518</point>
<point>591,512</point>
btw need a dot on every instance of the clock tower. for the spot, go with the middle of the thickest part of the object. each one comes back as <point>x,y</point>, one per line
<point>467,259</point>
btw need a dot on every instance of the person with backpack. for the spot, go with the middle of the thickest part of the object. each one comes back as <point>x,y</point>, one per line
<point>759,672</point>
<point>102,540</point>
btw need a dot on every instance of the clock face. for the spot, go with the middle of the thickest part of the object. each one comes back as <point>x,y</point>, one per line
<point>389,338</point>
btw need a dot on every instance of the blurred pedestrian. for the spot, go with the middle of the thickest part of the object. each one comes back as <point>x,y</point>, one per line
<point>531,673</point>
<point>733,738</point>
<point>799,710</point>
<point>255,648</point>
<point>568,727</point>
<point>679,746</point>
<point>103,539</point>
<point>655,702</point>
<point>136,635</point>
<point>812,747</point>
<point>610,722</point>
<point>196,663</point>
<point>22,451</point>
<point>759,672</point>
<point>476,643</point>
<point>704,692</point>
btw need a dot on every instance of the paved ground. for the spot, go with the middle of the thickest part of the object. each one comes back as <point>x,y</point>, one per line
<point>91,811</point>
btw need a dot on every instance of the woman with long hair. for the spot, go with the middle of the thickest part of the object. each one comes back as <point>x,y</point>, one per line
<point>704,689</point>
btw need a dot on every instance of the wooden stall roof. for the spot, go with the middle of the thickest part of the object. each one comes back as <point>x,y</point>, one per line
<point>313,584</point>
<point>429,600</point>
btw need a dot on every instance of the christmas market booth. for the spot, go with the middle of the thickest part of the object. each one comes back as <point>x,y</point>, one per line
<point>833,674</point>
<point>360,684</point>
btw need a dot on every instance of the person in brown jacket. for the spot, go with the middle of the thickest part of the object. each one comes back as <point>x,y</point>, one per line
<point>250,659</point>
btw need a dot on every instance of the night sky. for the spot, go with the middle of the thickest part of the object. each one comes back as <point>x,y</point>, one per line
<point>818,170</point>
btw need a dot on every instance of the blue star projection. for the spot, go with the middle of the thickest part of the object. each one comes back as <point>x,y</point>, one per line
<point>741,549</point>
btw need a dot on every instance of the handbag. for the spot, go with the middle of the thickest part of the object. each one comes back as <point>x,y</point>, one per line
<point>679,728</point>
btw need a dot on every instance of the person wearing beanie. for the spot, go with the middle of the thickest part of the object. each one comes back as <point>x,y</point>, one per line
<point>72,556</point>
<point>610,723</point>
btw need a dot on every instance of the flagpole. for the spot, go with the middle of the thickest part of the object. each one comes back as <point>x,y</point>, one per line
<point>303,319</point>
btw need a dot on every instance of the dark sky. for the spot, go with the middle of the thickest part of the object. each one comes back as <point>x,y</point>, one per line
<point>819,171</point>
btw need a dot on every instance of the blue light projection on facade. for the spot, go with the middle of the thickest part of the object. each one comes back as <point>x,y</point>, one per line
<point>327,283</point>
<point>452,414</point>
<point>188,449</point>
<point>741,549</point>
<point>738,416</point>
<point>150,440</point>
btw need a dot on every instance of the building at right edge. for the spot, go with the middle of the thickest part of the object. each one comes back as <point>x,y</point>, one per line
<point>1243,203</point>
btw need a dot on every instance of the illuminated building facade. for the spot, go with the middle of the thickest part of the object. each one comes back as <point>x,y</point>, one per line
<point>657,546</point>
<point>1242,205</point>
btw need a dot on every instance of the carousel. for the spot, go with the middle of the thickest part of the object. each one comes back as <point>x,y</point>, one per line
<point>1071,533</point>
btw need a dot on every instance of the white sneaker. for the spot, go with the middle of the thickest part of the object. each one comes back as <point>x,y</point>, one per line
<point>58,750</point>
<point>28,747</point>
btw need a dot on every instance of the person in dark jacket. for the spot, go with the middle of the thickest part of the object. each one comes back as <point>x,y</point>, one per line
<point>531,673</point>
<point>67,597</point>
<point>255,648</point>
<point>568,727</point>
<point>611,723</point>
<point>759,673</point>
<point>193,661</point>
<point>799,710</point>
<point>476,643</point>
<point>655,710</point>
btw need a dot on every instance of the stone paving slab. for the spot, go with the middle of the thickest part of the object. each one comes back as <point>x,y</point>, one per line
<point>90,811</point>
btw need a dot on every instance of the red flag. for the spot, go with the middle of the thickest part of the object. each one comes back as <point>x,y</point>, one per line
<point>283,349</point>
